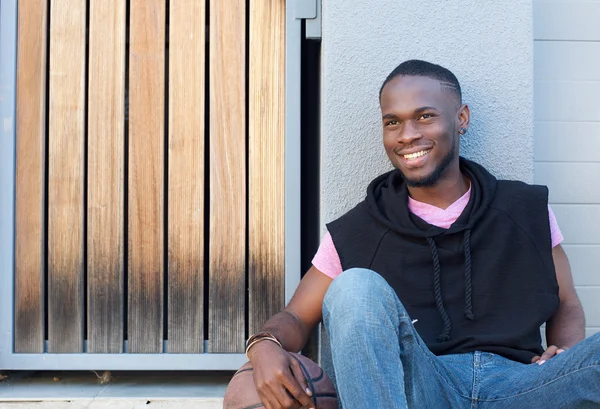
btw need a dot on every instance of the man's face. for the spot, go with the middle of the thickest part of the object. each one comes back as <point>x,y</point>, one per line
<point>421,120</point>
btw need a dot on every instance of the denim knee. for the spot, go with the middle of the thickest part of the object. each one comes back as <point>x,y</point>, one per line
<point>360,294</point>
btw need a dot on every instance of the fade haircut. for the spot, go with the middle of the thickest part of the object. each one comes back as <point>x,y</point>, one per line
<point>419,68</point>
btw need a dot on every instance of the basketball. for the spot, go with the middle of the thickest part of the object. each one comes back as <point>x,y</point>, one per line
<point>241,393</point>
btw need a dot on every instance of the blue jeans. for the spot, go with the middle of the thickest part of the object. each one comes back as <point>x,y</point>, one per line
<point>380,361</point>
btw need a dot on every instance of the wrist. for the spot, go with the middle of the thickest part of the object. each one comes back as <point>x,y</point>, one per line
<point>259,338</point>
<point>261,348</point>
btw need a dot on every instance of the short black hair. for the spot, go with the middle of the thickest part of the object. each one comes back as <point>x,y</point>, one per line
<point>419,68</point>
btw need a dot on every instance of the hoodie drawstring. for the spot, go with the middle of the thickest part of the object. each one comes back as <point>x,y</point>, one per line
<point>468,287</point>
<point>437,288</point>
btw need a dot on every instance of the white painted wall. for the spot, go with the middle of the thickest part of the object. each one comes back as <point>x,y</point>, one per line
<point>486,44</point>
<point>567,133</point>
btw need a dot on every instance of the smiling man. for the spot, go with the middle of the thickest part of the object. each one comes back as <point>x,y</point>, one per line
<point>434,288</point>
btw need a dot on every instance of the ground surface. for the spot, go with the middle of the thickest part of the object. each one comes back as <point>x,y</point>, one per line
<point>117,390</point>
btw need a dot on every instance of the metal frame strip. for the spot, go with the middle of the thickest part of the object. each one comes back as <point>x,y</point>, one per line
<point>292,148</point>
<point>8,65</point>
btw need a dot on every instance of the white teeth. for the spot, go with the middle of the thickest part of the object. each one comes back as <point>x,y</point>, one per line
<point>415,155</point>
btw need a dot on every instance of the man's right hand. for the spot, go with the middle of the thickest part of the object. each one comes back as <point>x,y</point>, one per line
<point>279,380</point>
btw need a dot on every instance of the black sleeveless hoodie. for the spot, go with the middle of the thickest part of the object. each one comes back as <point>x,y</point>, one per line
<point>486,283</point>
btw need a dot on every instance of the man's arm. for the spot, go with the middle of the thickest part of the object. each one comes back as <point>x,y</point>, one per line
<point>279,380</point>
<point>294,324</point>
<point>567,325</point>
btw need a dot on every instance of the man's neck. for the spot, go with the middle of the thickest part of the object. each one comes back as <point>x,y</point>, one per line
<point>445,192</point>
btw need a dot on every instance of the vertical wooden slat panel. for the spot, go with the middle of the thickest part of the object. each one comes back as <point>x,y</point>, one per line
<point>146,175</point>
<point>66,175</point>
<point>266,160</point>
<point>187,21</point>
<point>227,251</point>
<point>31,152</point>
<point>106,85</point>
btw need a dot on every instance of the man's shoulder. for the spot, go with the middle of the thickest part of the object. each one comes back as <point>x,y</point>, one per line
<point>357,223</point>
<point>356,215</point>
<point>507,190</point>
<point>519,198</point>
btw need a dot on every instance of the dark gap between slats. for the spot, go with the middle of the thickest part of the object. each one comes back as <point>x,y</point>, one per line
<point>126,179</point>
<point>85,172</point>
<point>206,172</point>
<point>166,186</point>
<point>310,159</point>
<point>46,174</point>
<point>247,134</point>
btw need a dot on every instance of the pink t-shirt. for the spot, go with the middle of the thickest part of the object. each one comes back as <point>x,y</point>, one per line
<point>328,261</point>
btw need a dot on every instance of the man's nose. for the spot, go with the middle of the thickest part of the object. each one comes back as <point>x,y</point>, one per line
<point>409,133</point>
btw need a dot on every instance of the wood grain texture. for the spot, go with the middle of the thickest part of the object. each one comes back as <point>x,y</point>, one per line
<point>266,167</point>
<point>66,176</point>
<point>106,116</point>
<point>187,21</point>
<point>227,252</point>
<point>146,175</point>
<point>30,169</point>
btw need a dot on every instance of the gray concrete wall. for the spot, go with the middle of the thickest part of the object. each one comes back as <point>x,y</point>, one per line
<point>488,45</point>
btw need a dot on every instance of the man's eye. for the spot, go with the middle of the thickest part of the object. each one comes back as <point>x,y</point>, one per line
<point>391,123</point>
<point>425,116</point>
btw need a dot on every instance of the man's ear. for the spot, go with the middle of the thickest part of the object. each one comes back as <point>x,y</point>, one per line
<point>464,117</point>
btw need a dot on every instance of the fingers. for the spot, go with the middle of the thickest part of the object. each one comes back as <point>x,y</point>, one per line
<point>266,396</point>
<point>300,388</point>
<point>281,391</point>
<point>281,383</point>
<point>284,399</point>
<point>549,353</point>
<point>271,392</point>
<point>274,396</point>
<point>552,350</point>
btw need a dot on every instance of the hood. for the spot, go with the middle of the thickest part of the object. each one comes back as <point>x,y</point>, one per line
<point>387,197</point>
<point>387,200</point>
